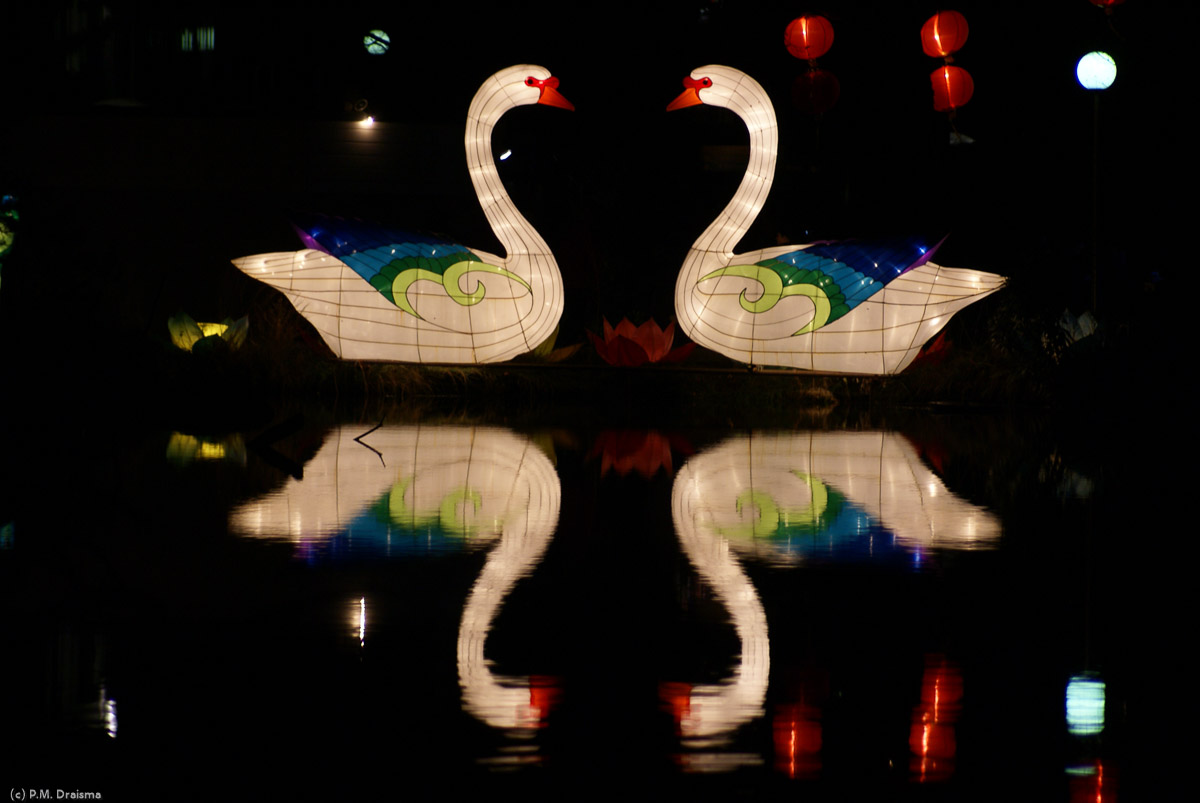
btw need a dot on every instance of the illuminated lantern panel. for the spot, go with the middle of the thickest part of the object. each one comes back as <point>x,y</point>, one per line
<point>944,33</point>
<point>952,87</point>
<point>376,293</point>
<point>1096,70</point>
<point>808,37</point>
<point>858,306</point>
<point>815,91</point>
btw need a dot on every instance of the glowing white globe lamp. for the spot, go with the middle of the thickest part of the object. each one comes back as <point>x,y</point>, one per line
<point>1096,70</point>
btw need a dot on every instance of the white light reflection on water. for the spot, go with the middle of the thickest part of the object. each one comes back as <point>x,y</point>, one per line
<point>1085,705</point>
<point>358,617</point>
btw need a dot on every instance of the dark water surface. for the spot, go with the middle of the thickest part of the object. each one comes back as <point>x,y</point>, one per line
<point>955,610</point>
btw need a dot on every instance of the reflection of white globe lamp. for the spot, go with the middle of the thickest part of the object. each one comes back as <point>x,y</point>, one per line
<point>377,42</point>
<point>1096,70</point>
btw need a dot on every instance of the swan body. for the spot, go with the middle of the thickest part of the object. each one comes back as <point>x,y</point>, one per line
<point>857,307</point>
<point>382,294</point>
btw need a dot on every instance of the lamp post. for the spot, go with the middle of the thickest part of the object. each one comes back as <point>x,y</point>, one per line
<point>1096,72</point>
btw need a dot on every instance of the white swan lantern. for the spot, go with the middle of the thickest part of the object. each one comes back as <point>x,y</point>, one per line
<point>381,294</point>
<point>858,307</point>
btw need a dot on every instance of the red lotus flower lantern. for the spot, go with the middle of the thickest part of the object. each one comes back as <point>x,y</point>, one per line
<point>636,345</point>
<point>944,33</point>
<point>808,37</point>
<point>643,451</point>
<point>952,87</point>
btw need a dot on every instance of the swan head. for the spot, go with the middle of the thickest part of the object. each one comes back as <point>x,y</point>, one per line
<point>729,88</point>
<point>527,84</point>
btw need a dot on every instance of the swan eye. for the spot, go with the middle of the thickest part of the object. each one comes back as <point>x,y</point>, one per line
<point>530,81</point>
<point>705,82</point>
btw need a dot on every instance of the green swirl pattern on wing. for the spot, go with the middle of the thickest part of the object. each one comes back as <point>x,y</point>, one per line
<point>394,278</point>
<point>769,519</point>
<point>782,279</point>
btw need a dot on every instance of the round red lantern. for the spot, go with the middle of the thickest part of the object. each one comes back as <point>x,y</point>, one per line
<point>815,91</point>
<point>952,87</point>
<point>944,33</point>
<point>808,37</point>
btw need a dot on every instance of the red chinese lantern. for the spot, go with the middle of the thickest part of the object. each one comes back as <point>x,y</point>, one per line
<point>815,91</point>
<point>952,87</point>
<point>944,33</point>
<point>808,37</point>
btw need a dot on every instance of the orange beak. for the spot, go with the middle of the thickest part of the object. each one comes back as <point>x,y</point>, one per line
<point>550,95</point>
<point>689,97</point>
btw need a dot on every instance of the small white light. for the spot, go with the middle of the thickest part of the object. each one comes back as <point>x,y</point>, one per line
<point>367,121</point>
<point>506,154</point>
<point>1096,70</point>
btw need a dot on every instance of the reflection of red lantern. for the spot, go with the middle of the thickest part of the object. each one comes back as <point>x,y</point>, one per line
<point>808,37</point>
<point>544,694</point>
<point>952,87</point>
<point>797,740</point>
<point>677,699</point>
<point>942,688</point>
<point>814,92</point>
<point>931,737</point>
<point>932,740</point>
<point>944,33</point>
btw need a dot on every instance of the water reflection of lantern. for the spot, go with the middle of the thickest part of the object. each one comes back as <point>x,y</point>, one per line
<point>1089,784</point>
<point>1085,705</point>
<point>952,87</point>
<point>797,731</point>
<point>544,694</point>
<point>815,91</point>
<point>943,34</point>
<point>932,737</point>
<point>808,37</point>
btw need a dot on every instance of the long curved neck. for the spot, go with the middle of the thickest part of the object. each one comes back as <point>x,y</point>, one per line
<point>724,233</point>
<point>511,228</point>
